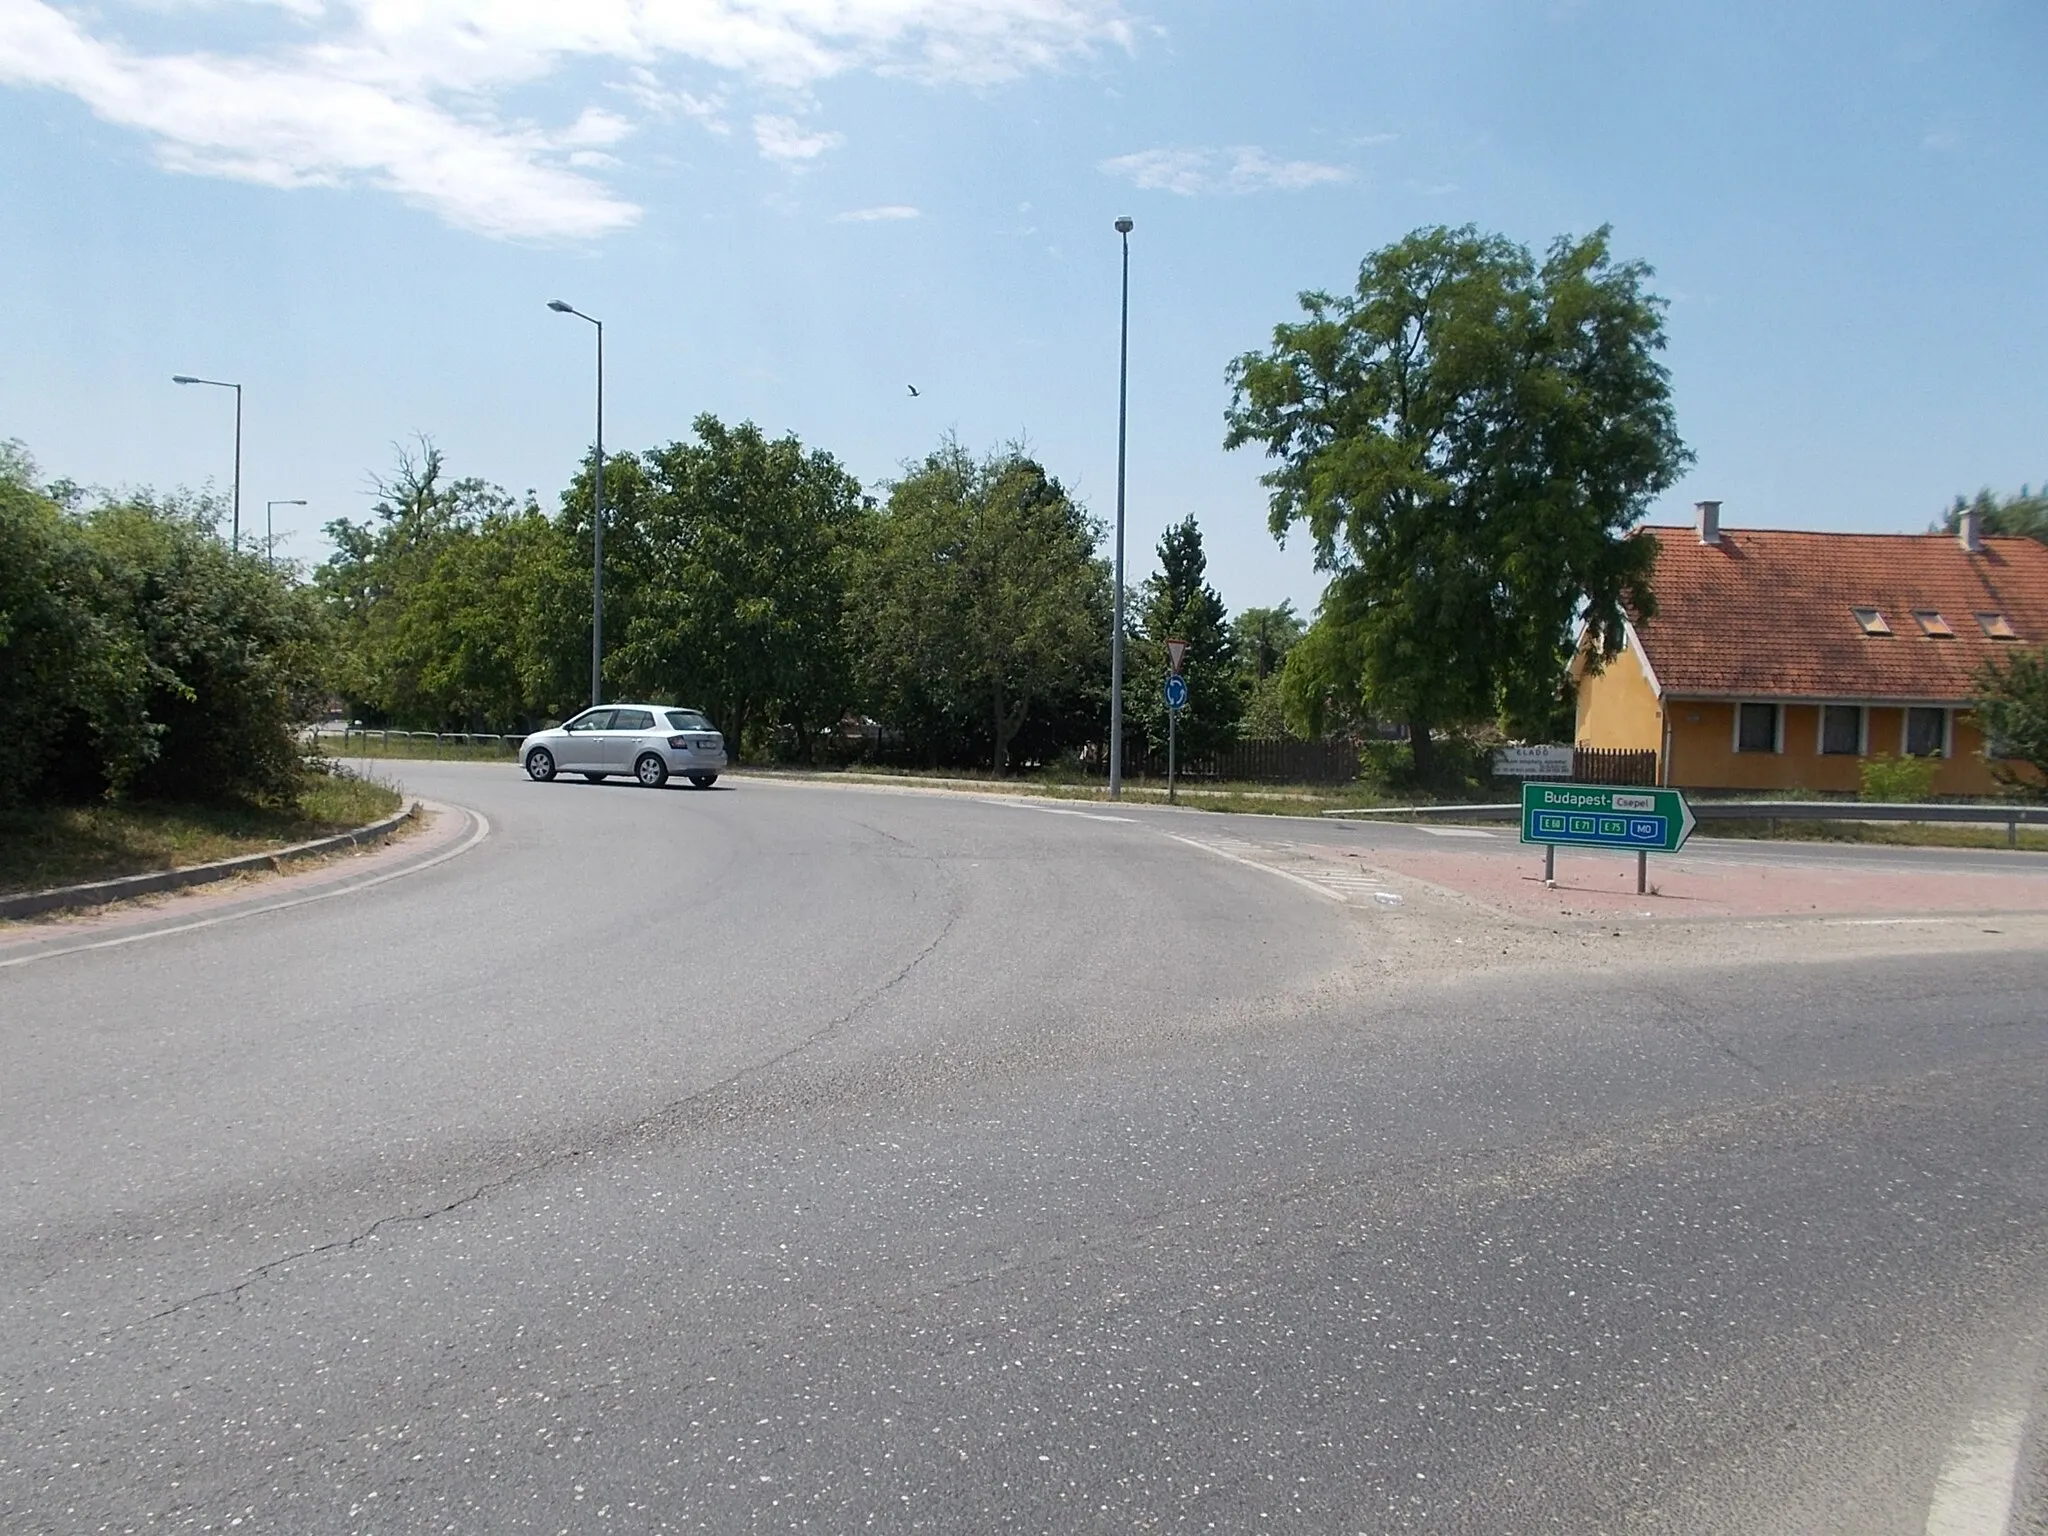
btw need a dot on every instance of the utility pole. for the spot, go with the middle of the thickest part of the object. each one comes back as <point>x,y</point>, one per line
<point>1116,636</point>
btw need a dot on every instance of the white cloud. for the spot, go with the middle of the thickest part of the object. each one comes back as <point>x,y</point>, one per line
<point>1234,172</point>
<point>406,94</point>
<point>783,139</point>
<point>887,212</point>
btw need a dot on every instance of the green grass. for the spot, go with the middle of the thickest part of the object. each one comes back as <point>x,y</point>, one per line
<point>43,846</point>
<point>1903,834</point>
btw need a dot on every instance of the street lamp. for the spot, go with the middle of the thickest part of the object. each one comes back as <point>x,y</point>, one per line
<point>235,540</point>
<point>269,542</point>
<point>563,307</point>
<point>1116,636</point>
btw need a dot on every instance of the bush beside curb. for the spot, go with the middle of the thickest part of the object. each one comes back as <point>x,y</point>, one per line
<point>99,892</point>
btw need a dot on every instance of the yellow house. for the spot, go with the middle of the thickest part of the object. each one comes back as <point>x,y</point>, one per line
<point>1781,660</point>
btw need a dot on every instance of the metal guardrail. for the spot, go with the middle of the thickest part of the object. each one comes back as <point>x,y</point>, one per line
<point>2010,816</point>
<point>440,738</point>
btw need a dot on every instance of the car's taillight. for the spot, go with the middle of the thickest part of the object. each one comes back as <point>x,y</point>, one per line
<point>679,742</point>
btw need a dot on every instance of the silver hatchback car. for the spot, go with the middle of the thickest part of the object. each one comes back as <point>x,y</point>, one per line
<point>649,741</point>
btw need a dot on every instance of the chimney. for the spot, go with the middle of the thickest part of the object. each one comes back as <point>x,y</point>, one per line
<point>1710,521</point>
<point>1966,532</point>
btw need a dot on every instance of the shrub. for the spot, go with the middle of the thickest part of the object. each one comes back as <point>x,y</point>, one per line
<point>139,655</point>
<point>1898,778</point>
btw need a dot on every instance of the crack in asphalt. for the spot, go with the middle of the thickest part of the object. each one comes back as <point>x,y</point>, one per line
<point>342,1244</point>
<point>638,1127</point>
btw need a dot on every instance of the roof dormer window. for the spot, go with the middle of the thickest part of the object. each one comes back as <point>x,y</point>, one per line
<point>1872,621</point>
<point>1933,624</point>
<point>1996,626</point>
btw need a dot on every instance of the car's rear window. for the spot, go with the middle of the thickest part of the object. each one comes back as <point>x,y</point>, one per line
<point>633,720</point>
<point>687,720</point>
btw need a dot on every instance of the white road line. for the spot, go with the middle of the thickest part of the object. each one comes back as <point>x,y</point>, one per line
<point>1973,1494</point>
<point>1456,831</point>
<point>1054,810</point>
<point>477,834</point>
<point>1306,884</point>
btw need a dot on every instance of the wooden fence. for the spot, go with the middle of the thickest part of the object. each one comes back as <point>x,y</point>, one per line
<point>1613,765</point>
<point>1278,761</point>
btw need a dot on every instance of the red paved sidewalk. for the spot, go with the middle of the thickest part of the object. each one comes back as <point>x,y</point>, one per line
<point>1604,885</point>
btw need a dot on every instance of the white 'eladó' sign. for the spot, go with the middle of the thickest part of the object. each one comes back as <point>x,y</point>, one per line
<point>1533,763</point>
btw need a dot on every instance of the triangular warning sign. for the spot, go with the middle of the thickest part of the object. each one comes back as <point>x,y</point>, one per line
<point>1176,650</point>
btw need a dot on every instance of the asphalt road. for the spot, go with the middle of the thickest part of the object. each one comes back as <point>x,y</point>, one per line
<point>796,1158</point>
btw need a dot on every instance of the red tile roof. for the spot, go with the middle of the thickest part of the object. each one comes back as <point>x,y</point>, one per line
<point>1768,614</point>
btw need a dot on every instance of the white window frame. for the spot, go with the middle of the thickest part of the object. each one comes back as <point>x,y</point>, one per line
<point>1820,730</point>
<point>1948,730</point>
<point>1777,727</point>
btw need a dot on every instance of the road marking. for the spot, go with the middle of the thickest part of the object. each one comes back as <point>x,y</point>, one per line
<point>1054,810</point>
<point>1455,831</point>
<point>477,834</point>
<point>1973,1494</point>
<point>1222,853</point>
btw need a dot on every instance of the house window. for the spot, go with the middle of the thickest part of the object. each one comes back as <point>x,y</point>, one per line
<point>1997,626</point>
<point>1841,730</point>
<point>1932,623</point>
<point>1871,621</point>
<point>1756,727</point>
<point>1926,732</point>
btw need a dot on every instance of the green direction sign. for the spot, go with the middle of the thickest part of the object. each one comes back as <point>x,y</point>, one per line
<point>1594,816</point>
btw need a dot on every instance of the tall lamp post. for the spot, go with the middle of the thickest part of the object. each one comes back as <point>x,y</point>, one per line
<point>235,540</point>
<point>269,539</point>
<point>1116,635</point>
<point>562,307</point>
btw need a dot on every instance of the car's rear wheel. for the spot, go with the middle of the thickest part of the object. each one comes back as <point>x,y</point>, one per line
<point>540,765</point>
<point>596,778</point>
<point>650,770</point>
<point>703,780</point>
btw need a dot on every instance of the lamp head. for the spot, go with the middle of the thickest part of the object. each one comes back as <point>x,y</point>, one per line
<point>1124,225</point>
<point>183,378</point>
<point>561,306</point>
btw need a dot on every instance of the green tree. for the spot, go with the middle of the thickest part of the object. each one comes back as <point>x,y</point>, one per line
<point>2012,706</point>
<point>72,674</point>
<point>734,557</point>
<point>232,652</point>
<point>981,601</point>
<point>494,633</point>
<point>1264,637</point>
<point>1178,603</point>
<point>409,646</point>
<point>2021,516</point>
<point>1469,438</point>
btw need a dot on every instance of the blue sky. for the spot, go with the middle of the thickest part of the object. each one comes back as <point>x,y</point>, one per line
<point>788,210</point>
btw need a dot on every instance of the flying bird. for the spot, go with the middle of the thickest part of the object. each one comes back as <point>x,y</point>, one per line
<point>913,390</point>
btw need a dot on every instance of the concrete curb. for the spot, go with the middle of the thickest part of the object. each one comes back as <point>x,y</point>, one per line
<point>98,893</point>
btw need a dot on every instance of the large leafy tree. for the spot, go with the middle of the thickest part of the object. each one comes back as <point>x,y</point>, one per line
<point>981,603</point>
<point>733,555</point>
<point>454,604</point>
<point>1178,603</point>
<point>1469,436</point>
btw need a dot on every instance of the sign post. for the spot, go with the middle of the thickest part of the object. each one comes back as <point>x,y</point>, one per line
<point>1643,821</point>
<point>1176,701</point>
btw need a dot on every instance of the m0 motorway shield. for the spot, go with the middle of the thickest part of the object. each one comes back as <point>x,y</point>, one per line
<point>1595,816</point>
